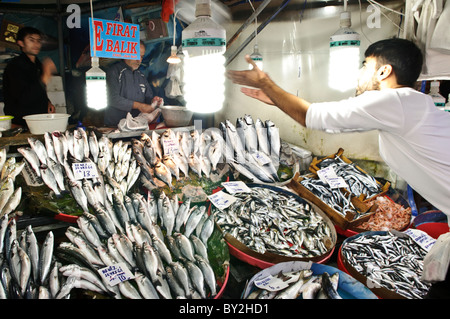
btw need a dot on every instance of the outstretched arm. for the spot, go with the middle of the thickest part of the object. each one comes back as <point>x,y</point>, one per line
<point>268,92</point>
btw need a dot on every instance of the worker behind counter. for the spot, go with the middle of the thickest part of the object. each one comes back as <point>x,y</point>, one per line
<point>25,79</point>
<point>128,91</point>
<point>413,134</point>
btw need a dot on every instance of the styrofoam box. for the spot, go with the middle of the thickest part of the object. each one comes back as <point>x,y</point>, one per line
<point>57,98</point>
<point>55,84</point>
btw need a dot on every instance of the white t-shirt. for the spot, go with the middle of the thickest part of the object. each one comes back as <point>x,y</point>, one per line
<point>414,136</point>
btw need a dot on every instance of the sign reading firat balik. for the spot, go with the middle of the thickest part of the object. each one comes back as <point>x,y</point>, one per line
<point>114,39</point>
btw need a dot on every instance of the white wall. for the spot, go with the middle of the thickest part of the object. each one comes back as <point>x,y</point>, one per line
<point>295,55</point>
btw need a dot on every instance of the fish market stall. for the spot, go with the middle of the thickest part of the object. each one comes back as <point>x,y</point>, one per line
<point>146,205</point>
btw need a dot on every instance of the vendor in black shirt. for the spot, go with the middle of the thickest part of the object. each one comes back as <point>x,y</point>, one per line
<point>25,79</point>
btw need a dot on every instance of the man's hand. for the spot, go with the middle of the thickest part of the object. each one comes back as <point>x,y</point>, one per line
<point>157,101</point>
<point>48,69</point>
<point>252,78</point>
<point>51,107</point>
<point>257,94</point>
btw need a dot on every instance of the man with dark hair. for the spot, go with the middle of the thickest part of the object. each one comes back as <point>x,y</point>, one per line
<point>128,91</point>
<point>414,136</point>
<point>26,77</point>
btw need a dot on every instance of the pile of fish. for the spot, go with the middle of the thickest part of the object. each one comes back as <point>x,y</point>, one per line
<point>269,221</point>
<point>10,196</point>
<point>359,183</point>
<point>172,155</point>
<point>333,197</point>
<point>253,148</point>
<point>163,243</point>
<point>389,261</point>
<point>28,270</point>
<point>302,284</point>
<point>53,161</point>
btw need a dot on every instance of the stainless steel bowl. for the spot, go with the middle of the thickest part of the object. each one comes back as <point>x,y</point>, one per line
<point>175,116</point>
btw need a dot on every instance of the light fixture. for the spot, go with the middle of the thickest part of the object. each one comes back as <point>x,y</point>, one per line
<point>344,59</point>
<point>204,43</point>
<point>256,56</point>
<point>95,79</point>
<point>174,58</point>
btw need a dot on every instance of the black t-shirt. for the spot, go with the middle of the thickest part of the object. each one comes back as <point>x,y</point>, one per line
<point>24,92</point>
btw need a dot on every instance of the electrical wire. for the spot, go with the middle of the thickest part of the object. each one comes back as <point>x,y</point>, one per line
<point>93,29</point>
<point>256,22</point>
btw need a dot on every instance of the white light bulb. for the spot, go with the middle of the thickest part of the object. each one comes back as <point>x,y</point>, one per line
<point>96,86</point>
<point>344,56</point>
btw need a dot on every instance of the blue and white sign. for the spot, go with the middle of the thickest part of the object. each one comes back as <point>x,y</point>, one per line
<point>114,39</point>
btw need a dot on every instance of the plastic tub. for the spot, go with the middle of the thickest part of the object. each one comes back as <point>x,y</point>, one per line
<point>348,287</point>
<point>433,222</point>
<point>5,122</point>
<point>47,122</point>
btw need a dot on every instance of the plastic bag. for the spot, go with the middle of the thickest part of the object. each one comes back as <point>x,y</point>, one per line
<point>436,262</point>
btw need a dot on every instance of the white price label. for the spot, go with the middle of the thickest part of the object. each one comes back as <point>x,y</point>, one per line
<point>421,238</point>
<point>115,274</point>
<point>328,175</point>
<point>84,170</point>
<point>222,200</point>
<point>236,187</point>
<point>170,146</point>
<point>271,283</point>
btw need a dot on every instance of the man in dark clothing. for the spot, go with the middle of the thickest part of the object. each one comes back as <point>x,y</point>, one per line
<point>128,91</point>
<point>25,79</point>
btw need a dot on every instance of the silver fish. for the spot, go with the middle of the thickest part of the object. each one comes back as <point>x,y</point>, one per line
<point>93,146</point>
<point>145,286</point>
<point>48,141</point>
<point>169,162</point>
<point>49,179</point>
<point>31,158</point>
<point>208,274</point>
<point>57,170</point>
<point>45,258</point>
<point>163,173</point>
<point>39,148</point>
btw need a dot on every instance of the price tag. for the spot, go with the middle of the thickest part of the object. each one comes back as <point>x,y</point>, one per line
<point>84,170</point>
<point>170,146</point>
<point>261,158</point>
<point>236,187</point>
<point>271,283</point>
<point>328,175</point>
<point>116,273</point>
<point>421,238</point>
<point>30,176</point>
<point>222,200</point>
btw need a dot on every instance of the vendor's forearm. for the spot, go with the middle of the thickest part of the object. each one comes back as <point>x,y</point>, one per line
<point>292,105</point>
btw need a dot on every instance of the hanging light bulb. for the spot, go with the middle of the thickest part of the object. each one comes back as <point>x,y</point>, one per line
<point>96,86</point>
<point>203,44</point>
<point>344,59</point>
<point>173,58</point>
<point>95,79</point>
<point>257,57</point>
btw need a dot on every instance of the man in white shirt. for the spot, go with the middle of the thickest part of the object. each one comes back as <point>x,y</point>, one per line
<point>414,136</point>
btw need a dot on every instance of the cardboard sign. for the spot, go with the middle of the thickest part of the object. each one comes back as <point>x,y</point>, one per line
<point>114,39</point>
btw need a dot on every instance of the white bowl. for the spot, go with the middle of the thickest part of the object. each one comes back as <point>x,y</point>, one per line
<point>175,116</point>
<point>47,122</point>
<point>5,122</point>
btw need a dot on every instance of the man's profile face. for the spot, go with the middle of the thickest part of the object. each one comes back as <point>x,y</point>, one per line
<point>134,64</point>
<point>367,79</point>
<point>31,44</point>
